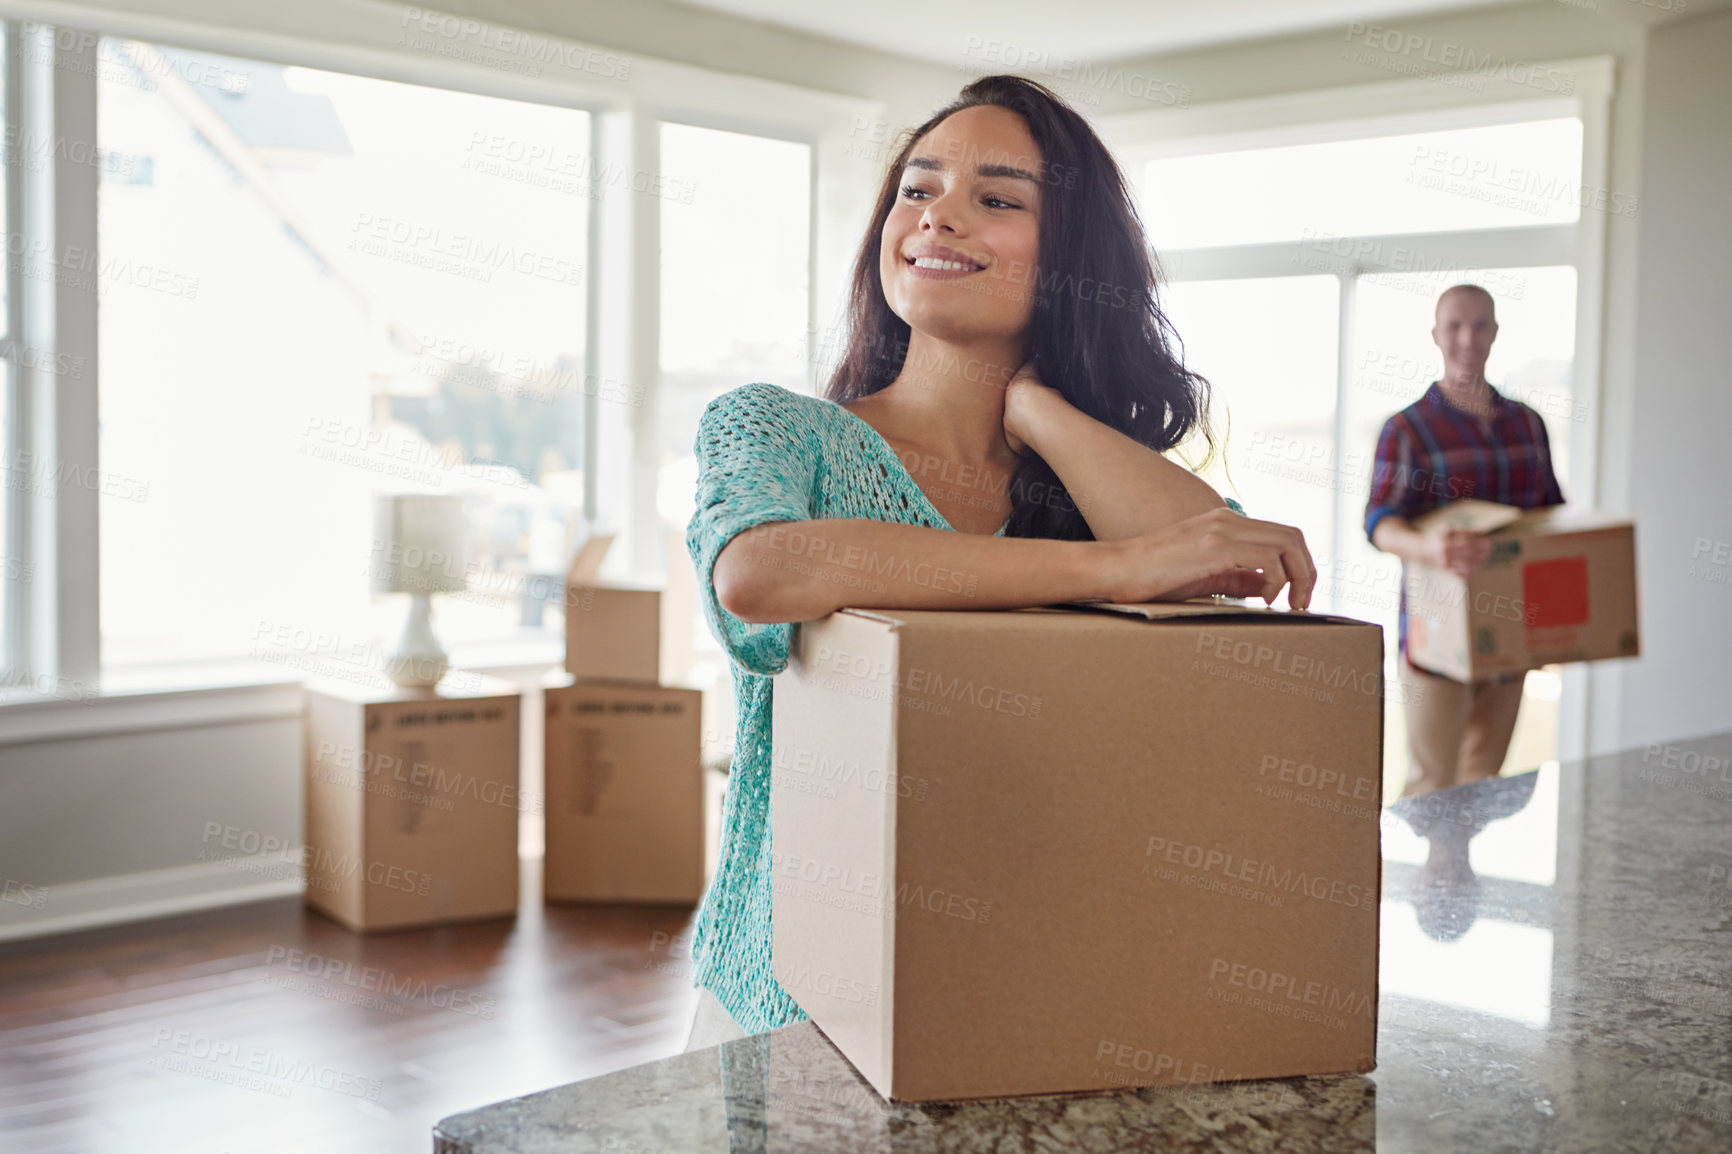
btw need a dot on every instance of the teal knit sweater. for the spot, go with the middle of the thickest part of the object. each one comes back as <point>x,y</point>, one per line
<point>767,454</point>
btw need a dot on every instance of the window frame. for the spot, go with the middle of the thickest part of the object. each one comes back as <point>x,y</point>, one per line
<point>12,604</point>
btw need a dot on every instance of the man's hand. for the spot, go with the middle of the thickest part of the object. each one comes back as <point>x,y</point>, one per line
<point>1461,551</point>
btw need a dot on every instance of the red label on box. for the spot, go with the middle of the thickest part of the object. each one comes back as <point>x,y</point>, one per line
<point>1556,592</point>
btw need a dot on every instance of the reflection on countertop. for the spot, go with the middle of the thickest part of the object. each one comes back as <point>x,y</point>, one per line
<point>1556,975</point>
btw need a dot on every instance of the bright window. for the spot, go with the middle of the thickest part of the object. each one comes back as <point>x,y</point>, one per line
<point>1503,176</point>
<point>734,282</point>
<point>357,286</point>
<point>1268,348</point>
<point>734,304</point>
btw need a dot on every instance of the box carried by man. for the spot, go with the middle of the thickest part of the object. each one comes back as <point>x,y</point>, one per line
<point>1559,586</point>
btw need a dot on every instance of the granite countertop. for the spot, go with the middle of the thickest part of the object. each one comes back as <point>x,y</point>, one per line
<point>1556,975</point>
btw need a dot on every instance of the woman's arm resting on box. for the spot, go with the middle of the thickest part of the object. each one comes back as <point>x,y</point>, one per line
<point>802,570</point>
<point>1121,487</point>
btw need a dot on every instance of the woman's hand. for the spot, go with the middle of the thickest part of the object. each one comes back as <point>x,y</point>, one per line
<point>1215,552</point>
<point>1024,392</point>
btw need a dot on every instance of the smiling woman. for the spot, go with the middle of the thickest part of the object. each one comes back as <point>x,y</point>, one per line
<point>1054,285</point>
<point>992,438</point>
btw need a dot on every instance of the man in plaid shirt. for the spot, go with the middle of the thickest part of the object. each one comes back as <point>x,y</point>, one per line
<point>1462,439</point>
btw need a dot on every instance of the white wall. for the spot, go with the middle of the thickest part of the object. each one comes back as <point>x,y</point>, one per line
<point>643,29</point>
<point>1532,32</point>
<point>1679,462</point>
<point>103,807</point>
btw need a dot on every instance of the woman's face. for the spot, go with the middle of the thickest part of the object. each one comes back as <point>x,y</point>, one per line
<point>970,197</point>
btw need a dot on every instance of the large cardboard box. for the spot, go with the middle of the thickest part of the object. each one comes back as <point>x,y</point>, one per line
<point>1063,849</point>
<point>625,792</point>
<point>1560,586</point>
<point>625,632</point>
<point>412,802</point>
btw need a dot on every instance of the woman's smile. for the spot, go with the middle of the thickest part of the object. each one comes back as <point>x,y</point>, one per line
<point>927,268</point>
<point>940,262</point>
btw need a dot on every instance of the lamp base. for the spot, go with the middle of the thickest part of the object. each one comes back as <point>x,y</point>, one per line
<point>419,662</point>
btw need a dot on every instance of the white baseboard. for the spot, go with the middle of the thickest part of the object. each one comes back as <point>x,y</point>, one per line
<point>37,911</point>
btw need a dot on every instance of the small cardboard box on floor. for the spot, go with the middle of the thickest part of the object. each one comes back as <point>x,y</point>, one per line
<point>625,792</point>
<point>1560,586</point>
<point>1071,848</point>
<point>412,802</point>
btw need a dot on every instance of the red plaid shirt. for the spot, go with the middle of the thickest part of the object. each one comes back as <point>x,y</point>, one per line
<point>1432,453</point>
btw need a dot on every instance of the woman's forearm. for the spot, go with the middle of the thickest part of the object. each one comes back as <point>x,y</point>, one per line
<point>803,570</point>
<point>1121,487</point>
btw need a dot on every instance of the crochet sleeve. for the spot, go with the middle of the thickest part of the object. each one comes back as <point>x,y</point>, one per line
<point>756,463</point>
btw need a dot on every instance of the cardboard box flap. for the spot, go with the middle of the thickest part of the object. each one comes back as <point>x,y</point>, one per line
<point>1566,519</point>
<point>1201,609</point>
<point>1491,517</point>
<point>1208,609</point>
<point>586,565</point>
<point>1470,513</point>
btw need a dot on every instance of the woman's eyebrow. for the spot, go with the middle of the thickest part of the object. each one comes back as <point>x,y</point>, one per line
<point>1010,170</point>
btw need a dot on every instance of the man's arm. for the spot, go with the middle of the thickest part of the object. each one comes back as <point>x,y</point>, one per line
<point>1461,551</point>
<point>1389,503</point>
<point>1398,536</point>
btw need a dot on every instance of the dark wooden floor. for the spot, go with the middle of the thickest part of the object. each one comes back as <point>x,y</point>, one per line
<point>210,1034</point>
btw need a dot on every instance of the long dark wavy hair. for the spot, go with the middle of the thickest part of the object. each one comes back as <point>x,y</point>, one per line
<point>1109,349</point>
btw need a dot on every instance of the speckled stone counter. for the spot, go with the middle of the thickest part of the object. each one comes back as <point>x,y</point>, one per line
<point>1556,976</point>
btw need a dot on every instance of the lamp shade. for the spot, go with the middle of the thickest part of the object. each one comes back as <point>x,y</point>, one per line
<point>420,544</point>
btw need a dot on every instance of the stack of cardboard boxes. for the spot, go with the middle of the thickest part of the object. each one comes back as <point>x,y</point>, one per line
<point>625,801</point>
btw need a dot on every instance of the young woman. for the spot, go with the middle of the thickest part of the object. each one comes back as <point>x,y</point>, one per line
<point>992,439</point>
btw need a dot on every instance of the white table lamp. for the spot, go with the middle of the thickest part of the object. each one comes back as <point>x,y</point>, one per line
<point>420,548</point>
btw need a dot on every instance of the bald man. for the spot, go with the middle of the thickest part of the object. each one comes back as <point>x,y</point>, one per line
<point>1462,439</point>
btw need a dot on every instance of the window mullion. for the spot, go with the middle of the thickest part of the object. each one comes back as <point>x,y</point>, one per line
<point>53,258</point>
<point>1345,310</point>
<point>18,588</point>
